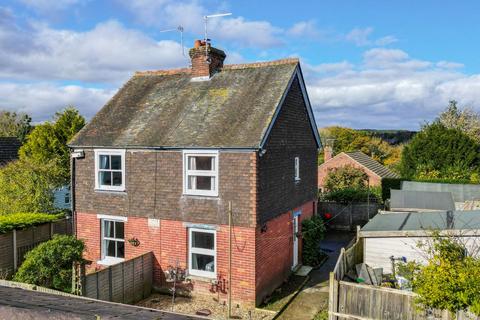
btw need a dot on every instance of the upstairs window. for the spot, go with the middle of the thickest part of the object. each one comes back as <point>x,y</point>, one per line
<point>201,173</point>
<point>110,170</point>
<point>297,169</point>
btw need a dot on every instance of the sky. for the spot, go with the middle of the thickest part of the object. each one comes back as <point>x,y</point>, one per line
<point>367,64</point>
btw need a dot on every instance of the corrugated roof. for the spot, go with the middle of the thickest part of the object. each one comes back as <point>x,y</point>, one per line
<point>415,221</point>
<point>9,147</point>
<point>421,200</point>
<point>166,109</point>
<point>372,165</point>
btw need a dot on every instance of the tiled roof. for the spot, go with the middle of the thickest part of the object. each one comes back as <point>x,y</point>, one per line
<point>8,149</point>
<point>372,165</point>
<point>166,109</point>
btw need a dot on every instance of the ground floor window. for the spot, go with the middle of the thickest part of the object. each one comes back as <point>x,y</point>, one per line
<point>202,252</point>
<point>113,239</point>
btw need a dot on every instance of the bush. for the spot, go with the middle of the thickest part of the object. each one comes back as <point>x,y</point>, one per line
<point>389,184</point>
<point>50,263</point>
<point>313,230</point>
<point>13,221</point>
<point>345,177</point>
<point>348,195</point>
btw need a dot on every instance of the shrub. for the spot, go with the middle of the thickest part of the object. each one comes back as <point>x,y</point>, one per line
<point>13,221</point>
<point>389,184</point>
<point>50,263</point>
<point>348,195</point>
<point>313,230</point>
<point>345,177</point>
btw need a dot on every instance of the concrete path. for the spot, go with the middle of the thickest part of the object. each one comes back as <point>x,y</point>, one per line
<point>314,297</point>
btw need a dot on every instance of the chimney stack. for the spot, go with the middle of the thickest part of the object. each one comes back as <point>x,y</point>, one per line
<point>206,60</point>
<point>328,150</point>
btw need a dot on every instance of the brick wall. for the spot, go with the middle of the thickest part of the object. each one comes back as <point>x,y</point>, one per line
<point>274,250</point>
<point>342,160</point>
<point>154,187</point>
<point>290,137</point>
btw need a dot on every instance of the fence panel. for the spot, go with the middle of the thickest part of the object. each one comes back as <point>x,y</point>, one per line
<point>126,282</point>
<point>6,253</point>
<point>348,216</point>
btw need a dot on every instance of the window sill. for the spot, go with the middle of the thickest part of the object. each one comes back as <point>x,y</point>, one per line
<point>110,261</point>
<point>110,191</point>
<point>199,196</point>
<point>201,278</point>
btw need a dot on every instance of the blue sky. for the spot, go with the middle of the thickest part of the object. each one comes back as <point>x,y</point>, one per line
<point>367,64</point>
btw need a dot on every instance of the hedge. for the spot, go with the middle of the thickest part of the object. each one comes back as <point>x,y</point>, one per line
<point>13,221</point>
<point>390,183</point>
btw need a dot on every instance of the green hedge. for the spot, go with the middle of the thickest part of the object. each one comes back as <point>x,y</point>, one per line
<point>349,195</point>
<point>390,183</point>
<point>13,221</point>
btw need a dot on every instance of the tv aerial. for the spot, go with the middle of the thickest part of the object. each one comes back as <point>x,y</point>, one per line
<point>179,29</point>
<point>205,19</point>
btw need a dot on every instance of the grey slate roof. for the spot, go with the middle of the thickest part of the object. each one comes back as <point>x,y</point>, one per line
<point>415,221</point>
<point>372,165</point>
<point>460,192</point>
<point>8,149</point>
<point>166,109</point>
<point>421,200</point>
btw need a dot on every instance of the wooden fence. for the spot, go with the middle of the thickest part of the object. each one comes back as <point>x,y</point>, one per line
<point>349,300</point>
<point>15,244</point>
<point>348,216</point>
<point>126,282</point>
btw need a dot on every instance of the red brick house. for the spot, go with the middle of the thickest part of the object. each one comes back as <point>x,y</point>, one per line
<point>357,159</point>
<point>157,167</point>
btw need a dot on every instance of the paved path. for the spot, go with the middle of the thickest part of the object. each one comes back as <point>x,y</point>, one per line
<point>21,304</point>
<point>314,297</point>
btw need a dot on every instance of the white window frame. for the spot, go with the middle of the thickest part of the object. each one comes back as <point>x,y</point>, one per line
<point>105,260</point>
<point>191,251</point>
<point>297,169</point>
<point>187,172</point>
<point>109,152</point>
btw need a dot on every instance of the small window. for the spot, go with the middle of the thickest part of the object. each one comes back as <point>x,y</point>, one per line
<point>113,239</point>
<point>110,170</point>
<point>201,173</point>
<point>202,255</point>
<point>297,169</point>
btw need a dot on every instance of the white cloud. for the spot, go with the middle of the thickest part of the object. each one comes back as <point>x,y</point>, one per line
<point>362,37</point>
<point>46,6</point>
<point>304,29</point>
<point>42,100</point>
<point>388,89</point>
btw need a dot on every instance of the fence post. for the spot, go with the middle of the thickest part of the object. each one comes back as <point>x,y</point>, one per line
<point>110,284</point>
<point>15,251</point>
<point>143,278</point>
<point>51,230</point>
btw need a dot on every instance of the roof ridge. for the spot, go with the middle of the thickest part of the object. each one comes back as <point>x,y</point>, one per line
<point>238,66</point>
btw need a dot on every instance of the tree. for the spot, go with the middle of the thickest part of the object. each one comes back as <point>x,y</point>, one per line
<point>48,141</point>
<point>451,278</point>
<point>50,263</point>
<point>438,152</point>
<point>14,124</point>
<point>26,186</point>
<point>346,177</point>
<point>466,120</point>
<point>347,139</point>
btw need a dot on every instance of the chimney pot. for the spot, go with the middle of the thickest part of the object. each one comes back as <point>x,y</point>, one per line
<point>197,43</point>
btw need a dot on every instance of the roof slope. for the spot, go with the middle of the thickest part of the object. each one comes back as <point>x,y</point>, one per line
<point>9,147</point>
<point>421,200</point>
<point>460,192</point>
<point>166,109</point>
<point>372,165</point>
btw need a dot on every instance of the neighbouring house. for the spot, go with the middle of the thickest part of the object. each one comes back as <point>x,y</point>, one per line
<point>465,196</point>
<point>9,147</point>
<point>62,198</point>
<point>396,234</point>
<point>420,201</point>
<point>163,159</point>
<point>357,159</point>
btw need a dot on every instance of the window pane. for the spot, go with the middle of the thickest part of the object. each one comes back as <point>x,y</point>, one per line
<point>104,162</point>
<point>116,162</point>
<point>120,249</point>
<point>110,248</point>
<point>117,178</point>
<point>191,182</point>
<point>203,240</point>
<point>119,233</point>
<point>204,163</point>
<point>203,262</point>
<point>108,229</point>
<point>105,178</point>
<point>204,183</point>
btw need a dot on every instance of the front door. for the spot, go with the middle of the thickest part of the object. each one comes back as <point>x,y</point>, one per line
<point>295,240</point>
